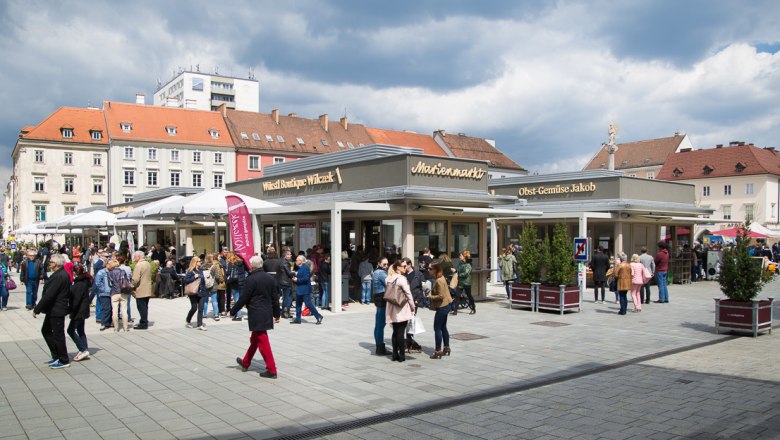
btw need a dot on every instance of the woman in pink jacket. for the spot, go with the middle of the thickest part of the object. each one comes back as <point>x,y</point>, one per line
<point>399,316</point>
<point>637,281</point>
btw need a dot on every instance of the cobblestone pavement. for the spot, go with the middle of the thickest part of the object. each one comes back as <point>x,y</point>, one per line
<point>662,373</point>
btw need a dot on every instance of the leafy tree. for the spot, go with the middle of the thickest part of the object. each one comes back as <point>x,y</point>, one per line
<point>740,274</point>
<point>561,267</point>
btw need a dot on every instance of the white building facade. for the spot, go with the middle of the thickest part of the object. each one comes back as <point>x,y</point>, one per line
<point>202,91</point>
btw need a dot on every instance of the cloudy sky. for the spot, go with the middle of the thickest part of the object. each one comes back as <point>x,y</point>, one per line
<point>541,78</point>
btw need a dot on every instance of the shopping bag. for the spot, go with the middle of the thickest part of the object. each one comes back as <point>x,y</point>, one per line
<point>415,326</point>
<point>306,311</point>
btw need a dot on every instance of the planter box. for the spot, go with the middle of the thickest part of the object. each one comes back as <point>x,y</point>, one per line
<point>749,316</point>
<point>560,299</point>
<point>523,295</point>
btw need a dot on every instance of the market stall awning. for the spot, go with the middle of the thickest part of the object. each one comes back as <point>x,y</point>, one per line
<point>732,232</point>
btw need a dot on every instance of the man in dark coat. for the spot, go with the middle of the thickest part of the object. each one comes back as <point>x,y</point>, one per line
<point>31,273</point>
<point>262,302</point>
<point>55,304</point>
<point>599,264</point>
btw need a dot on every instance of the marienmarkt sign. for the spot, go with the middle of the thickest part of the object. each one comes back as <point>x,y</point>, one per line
<point>439,170</point>
<point>307,181</point>
<point>544,190</point>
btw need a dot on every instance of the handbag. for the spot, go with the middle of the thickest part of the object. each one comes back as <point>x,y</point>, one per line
<point>415,326</point>
<point>193,288</point>
<point>10,284</point>
<point>613,285</point>
<point>454,281</point>
<point>394,295</point>
<point>125,286</point>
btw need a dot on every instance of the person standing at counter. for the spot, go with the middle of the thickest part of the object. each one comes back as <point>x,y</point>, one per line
<point>599,264</point>
<point>661,269</point>
<point>464,279</point>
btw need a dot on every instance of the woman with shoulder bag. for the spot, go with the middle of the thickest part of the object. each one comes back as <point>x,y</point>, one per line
<point>399,314</point>
<point>623,271</point>
<point>195,289</point>
<point>235,280</point>
<point>441,300</point>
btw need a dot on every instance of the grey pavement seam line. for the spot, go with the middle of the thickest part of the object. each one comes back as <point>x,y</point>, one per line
<point>489,394</point>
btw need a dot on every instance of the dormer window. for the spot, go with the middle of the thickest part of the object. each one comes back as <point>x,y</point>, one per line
<point>244,136</point>
<point>126,126</point>
<point>67,133</point>
<point>280,139</point>
<point>340,144</point>
<point>171,129</point>
<point>300,141</point>
<point>350,145</point>
<point>96,135</point>
<point>324,143</point>
<point>214,134</point>
<point>677,172</point>
<point>707,170</point>
<point>739,167</point>
<point>269,138</point>
<point>255,136</point>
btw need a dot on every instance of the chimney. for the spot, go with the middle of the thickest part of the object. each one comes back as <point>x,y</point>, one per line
<point>442,133</point>
<point>140,98</point>
<point>344,122</point>
<point>324,121</point>
<point>719,146</point>
<point>275,115</point>
<point>733,143</point>
<point>293,115</point>
<point>223,109</point>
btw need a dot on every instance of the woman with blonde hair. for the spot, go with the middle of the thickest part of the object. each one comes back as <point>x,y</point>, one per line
<point>210,266</point>
<point>198,296</point>
<point>441,300</point>
<point>623,273</point>
<point>399,315</point>
<point>637,281</point>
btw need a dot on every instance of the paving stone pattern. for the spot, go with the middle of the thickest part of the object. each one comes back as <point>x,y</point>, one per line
<point>174,382</point>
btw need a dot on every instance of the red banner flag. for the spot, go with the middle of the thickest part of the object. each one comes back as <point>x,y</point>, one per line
<point>240,228</point>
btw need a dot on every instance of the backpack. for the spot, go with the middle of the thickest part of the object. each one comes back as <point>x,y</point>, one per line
<point>208,279</point>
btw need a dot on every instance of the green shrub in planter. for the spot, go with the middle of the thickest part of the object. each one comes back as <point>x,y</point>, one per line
<point>561,268</point>
<point>741,276</point>
<point>530,261</point>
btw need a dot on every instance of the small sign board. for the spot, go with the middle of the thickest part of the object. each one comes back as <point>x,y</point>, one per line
<point>581,249</point>
<point>13,246</point>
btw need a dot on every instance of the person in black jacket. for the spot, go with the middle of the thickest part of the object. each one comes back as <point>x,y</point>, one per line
<point>79,310</point>
<point>599,263</point>
<point>324,276</point>
<point>261,299</point>
<point>284,280</point>
<point>54,303</point>
<point>236,276</point>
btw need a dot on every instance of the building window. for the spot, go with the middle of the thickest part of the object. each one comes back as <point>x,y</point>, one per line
<point>126,127</point>
<point>350,145</point>
<point>651,175</point>
<point>175,178</point>
<point>748,188</point>
<point>340,144</point>
<point>67,133</point>
<point>217,157</point>
<point>255,136</point>
<point>129,177</point>
<point>97,186</point>
<point>68,185</point>
<point>705,191</point>
<point>197,180</point>
<point>69,209</point>
<point>38,156</point>
<point>174,155</point>
<point>325,143</point>
<point>300,141</point>
<point>269,138</point>
<point>631,174</point>
<point>97,135</point>
<point>129,153</point>
<point>151,178</point>
<point>214,134</point>
<point>196,156</point>
<point>40,213</point>
<point>749,212</point>
<point>128,198</point>
<point>171,130</point>
<point>278,160</point>
<point>280,138</point>
<point>39,184</point>
<point>707,170</point>
<point>244,136</point>
<point>97,160</point>
<point>151,154</point>
<point>727,212</point>
<point>254,162</point>
<point>218,180</point>
<point>68,158</point>
<point>726,190</point>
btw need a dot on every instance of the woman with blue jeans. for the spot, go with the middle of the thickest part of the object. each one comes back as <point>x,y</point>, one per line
<point>210,266</point>
<point>325,280</point>
<point>3,290</point>
<point>441,300</point>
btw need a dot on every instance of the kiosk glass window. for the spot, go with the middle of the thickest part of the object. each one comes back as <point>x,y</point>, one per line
<point>391,238</point>
<point>287,236</point>
<point>325,234</point>
<point>268,236</point>
<point>432,235</point>
<point>465,236</point>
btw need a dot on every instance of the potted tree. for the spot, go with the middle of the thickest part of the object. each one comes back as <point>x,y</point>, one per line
<point>741,278</point>
<point>560,291</point>
<point>529,264</point>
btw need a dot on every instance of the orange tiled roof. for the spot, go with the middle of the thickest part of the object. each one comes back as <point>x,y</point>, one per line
<point>468,147</point>
<point>406,139</point>
<point>722,162</point>
<point>255,127</point>
<point>650,152</point>
<point>149,124</point>
<point>80,120</point>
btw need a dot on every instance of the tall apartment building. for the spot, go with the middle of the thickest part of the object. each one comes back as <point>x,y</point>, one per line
<point>203,91</point>
<point>59,167</point>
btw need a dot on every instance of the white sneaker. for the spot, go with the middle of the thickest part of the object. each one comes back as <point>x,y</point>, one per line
<point>5,309</point>
<point>203,327</point>
<point>189,325</point>
<point>84,355</point>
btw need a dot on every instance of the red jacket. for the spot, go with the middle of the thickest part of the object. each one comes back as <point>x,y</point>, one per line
<point>662,261</point>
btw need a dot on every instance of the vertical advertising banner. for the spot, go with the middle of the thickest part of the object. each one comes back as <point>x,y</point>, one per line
<point>240,224</point>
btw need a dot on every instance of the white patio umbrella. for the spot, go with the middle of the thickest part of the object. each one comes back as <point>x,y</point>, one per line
<point>138,212</point>
<point>207,205</point>
<point>93,219</point>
